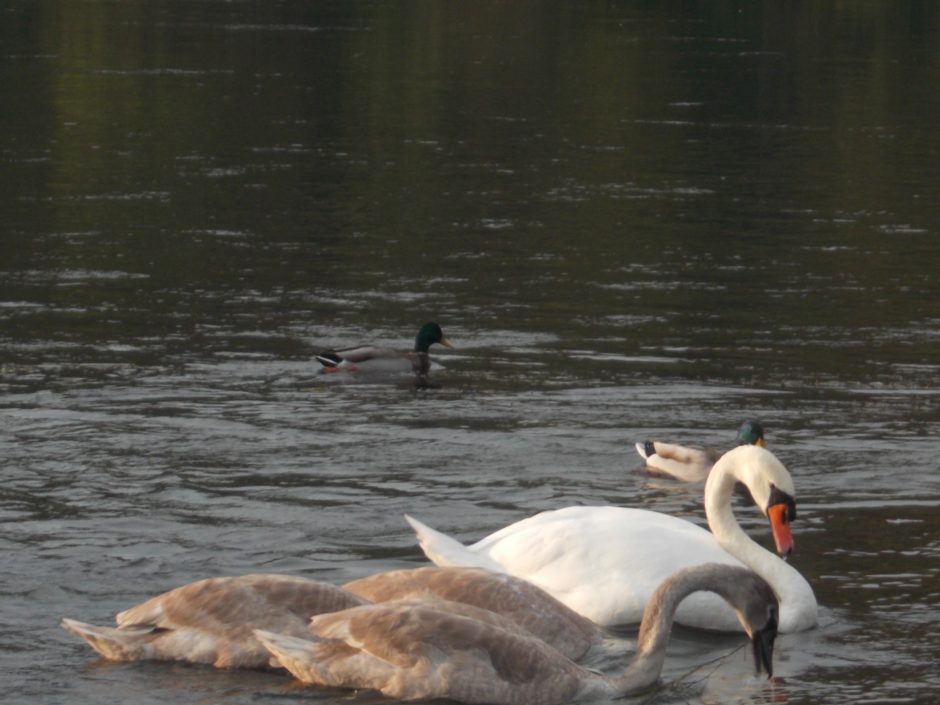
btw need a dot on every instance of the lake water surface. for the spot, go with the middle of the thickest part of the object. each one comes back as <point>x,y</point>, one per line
<point>631,219</point>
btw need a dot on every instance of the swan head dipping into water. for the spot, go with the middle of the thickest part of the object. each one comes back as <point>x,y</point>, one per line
<point>423,651</point>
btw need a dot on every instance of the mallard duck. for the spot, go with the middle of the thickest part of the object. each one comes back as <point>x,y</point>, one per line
<point>419,652</point>
<point>369,358</point>
<point>693,464</point>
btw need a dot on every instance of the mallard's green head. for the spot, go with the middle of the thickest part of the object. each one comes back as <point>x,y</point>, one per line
<point>429,334</point>
<point>751,433</point>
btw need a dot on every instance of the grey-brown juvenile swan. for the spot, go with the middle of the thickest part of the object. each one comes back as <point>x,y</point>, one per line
<point>421,652</point>
<point>212,621</point>
<point>518,600</point>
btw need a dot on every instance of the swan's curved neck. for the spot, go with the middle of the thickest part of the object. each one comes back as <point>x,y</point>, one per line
<point>797,603</point>
<point>718,491</point>
<point>646,665</point>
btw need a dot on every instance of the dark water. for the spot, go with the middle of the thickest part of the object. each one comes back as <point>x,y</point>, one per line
<point>631,219</point>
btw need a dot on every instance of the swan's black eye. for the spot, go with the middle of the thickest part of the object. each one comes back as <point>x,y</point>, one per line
<point>778,496</point>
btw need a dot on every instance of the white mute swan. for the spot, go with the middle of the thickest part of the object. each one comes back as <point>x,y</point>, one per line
<point>514,599</point>
<point>419,652</point>
<point>605,562</point>
<point>692,464</point>
<point>212,621</point>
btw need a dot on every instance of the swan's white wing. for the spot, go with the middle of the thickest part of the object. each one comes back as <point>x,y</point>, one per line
<point>605,562</point>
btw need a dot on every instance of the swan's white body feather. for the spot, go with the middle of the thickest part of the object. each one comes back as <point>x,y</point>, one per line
<point>605,562</point>
<point>553,548</point>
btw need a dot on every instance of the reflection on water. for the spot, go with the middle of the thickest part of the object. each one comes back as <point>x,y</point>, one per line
<point>631,221</point>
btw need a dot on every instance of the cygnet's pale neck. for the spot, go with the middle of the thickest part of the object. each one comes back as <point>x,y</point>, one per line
<point>647,664</point>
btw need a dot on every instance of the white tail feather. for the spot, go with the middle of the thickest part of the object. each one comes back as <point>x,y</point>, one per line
<point>444,551</point>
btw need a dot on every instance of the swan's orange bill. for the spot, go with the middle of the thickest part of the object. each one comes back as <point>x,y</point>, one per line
<point>780,528</point>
